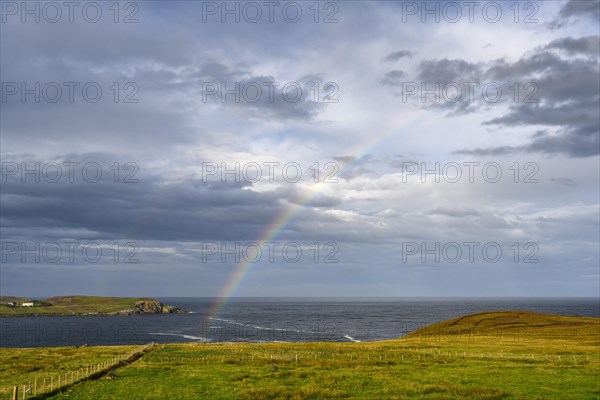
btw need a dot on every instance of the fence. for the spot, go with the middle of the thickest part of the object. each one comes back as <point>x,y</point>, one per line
<point>57,382</point>
<point>387,356</point>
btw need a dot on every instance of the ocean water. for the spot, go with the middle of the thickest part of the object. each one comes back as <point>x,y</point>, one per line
<point>268,320</point>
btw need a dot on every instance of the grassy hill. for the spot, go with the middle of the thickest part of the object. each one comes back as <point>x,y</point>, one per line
<point>83,305</point>
<point>503,323</point>
<point>559,360</point>
<point>6,299</point>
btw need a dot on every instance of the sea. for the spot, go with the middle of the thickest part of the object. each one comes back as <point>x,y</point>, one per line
<point>271,320</point>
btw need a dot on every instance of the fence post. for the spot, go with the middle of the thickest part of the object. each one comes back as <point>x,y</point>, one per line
<point>15,392</point>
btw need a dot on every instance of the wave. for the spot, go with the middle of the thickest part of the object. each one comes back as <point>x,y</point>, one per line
<point>271,328</point>
<point>350,338</point>
<point>199,338</point>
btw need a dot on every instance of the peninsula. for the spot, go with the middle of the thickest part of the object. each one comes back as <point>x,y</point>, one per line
<point>11,306</point>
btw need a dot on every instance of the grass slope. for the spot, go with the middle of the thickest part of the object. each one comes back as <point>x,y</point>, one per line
<point>512,355</point>
<point>514,323</point>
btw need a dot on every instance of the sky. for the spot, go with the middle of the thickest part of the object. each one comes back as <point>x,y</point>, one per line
<point>300,149</point>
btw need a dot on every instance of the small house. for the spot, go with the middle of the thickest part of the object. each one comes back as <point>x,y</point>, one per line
<point>27,304</point>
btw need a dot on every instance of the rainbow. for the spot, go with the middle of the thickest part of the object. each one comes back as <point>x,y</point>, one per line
<point>288,215</point>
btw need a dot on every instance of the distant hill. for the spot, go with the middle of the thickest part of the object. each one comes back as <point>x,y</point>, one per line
<point>84,305</point>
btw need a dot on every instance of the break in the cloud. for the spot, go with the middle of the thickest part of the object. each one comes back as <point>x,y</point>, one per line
<point>370,140</point>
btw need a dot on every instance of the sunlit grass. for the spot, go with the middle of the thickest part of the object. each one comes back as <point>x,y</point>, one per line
<point>559,361</point>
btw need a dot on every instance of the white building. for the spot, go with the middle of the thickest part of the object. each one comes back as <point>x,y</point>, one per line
<point>27,304</point>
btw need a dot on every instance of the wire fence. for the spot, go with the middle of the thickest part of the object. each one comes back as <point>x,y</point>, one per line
<point>57,382</point>
<point>389,356</point>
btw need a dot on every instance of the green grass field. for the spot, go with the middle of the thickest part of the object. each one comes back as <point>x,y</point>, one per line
<point>500,355</point>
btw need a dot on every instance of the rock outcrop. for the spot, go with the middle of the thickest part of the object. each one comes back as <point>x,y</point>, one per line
<point>151,307</point>
<point>148,307</point>
<point>172,310</point>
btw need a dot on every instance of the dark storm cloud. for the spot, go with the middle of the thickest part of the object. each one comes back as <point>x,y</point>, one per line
<point>495,151</point>
<point>262,96</point>
<point>167,71</point>
<point>558,88</point>
<point>589,8</point>
<point>445,71</point>
<point>568,99</point>
<point>104,44</point>
<point>589,45</point>
<point>573,143</point>
<point>448,71</point>
<point>455,213</point>
<point>393,78</point>
<point>129,126</point>
<point>150,119</point>
<point>154,209</point>
<point>577,8</point>
<point>151,209</point>
<point>165,101</point>
<point>397,55</point>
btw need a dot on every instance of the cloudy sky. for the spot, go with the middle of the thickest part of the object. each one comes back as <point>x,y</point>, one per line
<point>404,148</point>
